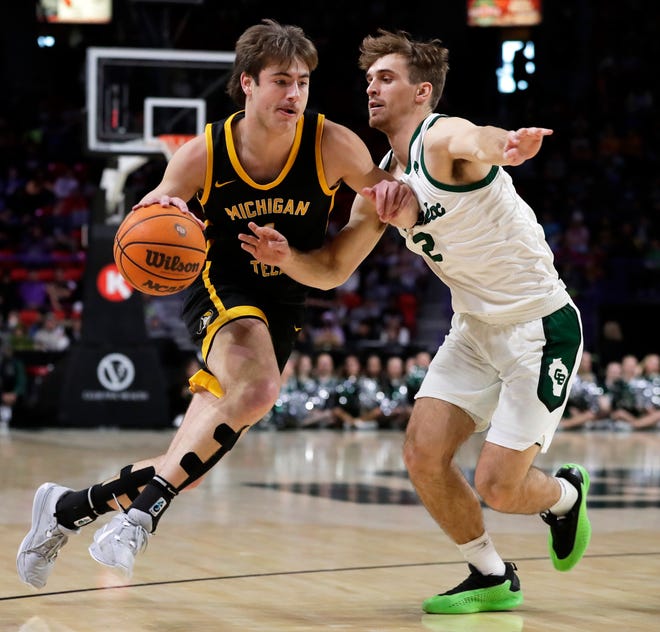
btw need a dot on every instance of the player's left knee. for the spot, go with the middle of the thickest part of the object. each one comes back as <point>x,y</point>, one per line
<point>259,396</point>
<point>424,458</point>
<point>497,494</point>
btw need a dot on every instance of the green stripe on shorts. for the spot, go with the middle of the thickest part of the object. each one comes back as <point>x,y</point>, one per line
<point>563,337</point>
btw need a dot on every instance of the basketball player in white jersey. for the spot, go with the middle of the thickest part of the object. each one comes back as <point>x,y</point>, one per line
<point>515,340</point>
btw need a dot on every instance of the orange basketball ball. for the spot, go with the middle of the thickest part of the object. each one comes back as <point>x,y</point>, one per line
<point>159,250</point>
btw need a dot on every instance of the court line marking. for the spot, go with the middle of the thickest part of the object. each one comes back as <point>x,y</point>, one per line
<point>78,591</point>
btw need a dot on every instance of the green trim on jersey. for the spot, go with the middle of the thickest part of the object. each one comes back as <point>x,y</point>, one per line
<point>455,188</point>
<point>461,188</point>
<point>563,337</point>
<point>416,133</point>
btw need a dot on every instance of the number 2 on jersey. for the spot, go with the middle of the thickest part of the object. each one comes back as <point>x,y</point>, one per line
<point>427,246</point>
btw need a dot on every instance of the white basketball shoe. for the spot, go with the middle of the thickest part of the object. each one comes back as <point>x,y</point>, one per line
<point>120,540</point>
<point>39,549</point>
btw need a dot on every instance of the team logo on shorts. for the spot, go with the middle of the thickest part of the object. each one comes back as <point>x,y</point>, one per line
<point>558,375</point>
<point>204,321</point>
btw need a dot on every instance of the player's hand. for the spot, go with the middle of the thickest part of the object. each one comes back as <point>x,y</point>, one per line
<point>523,144</point>
<point>166,200</point>
<point>266,244</point>
<point>395,203</point>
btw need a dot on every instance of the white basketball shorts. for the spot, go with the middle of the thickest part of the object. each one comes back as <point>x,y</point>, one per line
<point>511,379</point>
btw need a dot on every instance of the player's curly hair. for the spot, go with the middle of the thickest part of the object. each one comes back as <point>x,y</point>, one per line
<point>427,61</point>
<point>268,43</point>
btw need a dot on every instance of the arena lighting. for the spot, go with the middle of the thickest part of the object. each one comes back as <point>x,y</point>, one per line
<point>517,66</point>
<point>74,11</point>
<point>45,41</point>
<point>503,13</point>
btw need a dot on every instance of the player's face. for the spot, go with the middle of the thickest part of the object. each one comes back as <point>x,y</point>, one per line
<point>391,95</point>
<point>281,94</point>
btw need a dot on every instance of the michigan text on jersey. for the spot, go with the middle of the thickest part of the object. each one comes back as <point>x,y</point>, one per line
<point>266,206</point>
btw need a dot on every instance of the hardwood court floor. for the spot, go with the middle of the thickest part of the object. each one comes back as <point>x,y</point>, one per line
<point>321,530</point>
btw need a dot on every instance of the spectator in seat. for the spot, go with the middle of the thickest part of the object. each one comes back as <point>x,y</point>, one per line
<point>51,335</point>
<point>329,335</point>
<point>13,384</point>
<point>587,400</point>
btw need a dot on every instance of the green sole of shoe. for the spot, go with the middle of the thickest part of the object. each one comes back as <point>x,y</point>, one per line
<point>583,535</point>
<point>434,605</point>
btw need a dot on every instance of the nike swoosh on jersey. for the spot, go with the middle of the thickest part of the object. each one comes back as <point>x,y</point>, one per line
<point>222,184</point>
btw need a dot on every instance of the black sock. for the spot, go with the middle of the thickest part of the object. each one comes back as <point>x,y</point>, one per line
<point>155,499</point>
<point>74,509</point>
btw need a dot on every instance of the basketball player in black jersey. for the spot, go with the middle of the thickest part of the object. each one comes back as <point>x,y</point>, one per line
<point>273,163</point>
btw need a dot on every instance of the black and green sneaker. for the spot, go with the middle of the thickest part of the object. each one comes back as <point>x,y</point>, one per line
<point>479,593</point>
<point>570,534</point>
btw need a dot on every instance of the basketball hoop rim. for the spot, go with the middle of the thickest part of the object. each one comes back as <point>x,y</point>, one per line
<point>169,143</point>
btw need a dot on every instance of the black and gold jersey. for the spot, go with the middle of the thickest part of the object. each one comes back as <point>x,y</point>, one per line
<point>297,203</point>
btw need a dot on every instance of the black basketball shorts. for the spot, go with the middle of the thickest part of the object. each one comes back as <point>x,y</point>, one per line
<point>207,309</point>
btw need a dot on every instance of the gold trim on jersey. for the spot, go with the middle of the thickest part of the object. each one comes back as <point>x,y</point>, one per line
<point>224,315</point>
<point>209,164</point>
<point>233,156</point>
<point>320,172</point>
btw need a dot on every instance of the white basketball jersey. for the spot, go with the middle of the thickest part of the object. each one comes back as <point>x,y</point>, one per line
<point>484,242</point>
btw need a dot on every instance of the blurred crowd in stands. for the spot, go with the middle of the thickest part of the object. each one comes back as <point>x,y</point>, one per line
<point>625,395</point>
<point>372,391</point>
<point>376,392</point>
<point>354,392</point>
<point>595,187</point>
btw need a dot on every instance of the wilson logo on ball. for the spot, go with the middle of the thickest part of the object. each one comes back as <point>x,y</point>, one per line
<point>155,259</point>
<point>159,250</point>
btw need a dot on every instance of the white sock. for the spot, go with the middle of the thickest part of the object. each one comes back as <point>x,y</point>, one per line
<point>568,498</point>
<point>482,555</point>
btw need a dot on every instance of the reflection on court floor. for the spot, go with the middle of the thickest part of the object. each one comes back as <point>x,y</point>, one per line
<point>612,488</point>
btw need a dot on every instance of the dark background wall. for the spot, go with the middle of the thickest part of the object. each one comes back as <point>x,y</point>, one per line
<point>596,73</point>
<point>572,42</point>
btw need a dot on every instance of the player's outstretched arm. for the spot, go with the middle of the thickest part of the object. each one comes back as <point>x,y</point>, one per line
<point>523,144</point>
<point>456,138</point>
<point>330,265</point>
<point>324,268</point>
<point>182,179</point>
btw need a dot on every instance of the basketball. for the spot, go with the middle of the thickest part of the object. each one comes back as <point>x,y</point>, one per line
<point>159,250</point>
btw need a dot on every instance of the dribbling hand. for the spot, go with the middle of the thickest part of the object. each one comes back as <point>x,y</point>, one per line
<point>166,200</point>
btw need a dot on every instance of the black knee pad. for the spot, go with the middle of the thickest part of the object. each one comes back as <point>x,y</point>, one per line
<point>192,465</point>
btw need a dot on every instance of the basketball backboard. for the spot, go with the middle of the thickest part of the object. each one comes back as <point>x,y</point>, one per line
<point>135,95</point>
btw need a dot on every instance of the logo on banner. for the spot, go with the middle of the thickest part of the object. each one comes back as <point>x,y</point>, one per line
<point>115,372</point>
<point>111,284</point>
